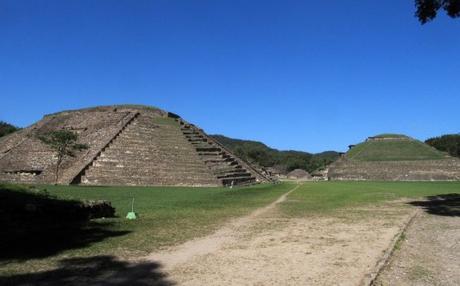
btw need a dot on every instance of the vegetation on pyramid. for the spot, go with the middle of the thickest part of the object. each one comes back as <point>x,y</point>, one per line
<point>394,157</point>
<point>124,145</point>
<point>449,143</point>
<point>260,154</point>
<point>393,147</point>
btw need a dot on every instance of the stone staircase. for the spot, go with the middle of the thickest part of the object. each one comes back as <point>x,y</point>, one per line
<point>149,153</point>
<point>223,164</point>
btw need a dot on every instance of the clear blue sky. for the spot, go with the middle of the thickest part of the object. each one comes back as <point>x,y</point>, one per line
<point>304,75</point>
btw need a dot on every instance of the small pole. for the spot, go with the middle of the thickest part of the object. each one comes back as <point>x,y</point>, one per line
<point>131,214</point>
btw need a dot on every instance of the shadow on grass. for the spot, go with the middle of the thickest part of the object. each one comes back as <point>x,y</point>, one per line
<point>97,270</point>
<point>40,243</point>
<point>36,225</point>
<point>444,205</point>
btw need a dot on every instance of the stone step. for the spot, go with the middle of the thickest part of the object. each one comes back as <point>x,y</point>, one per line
<point>152,127</point>
<point>149,147</point>
<point>176,154</point>
<point>194,136</point>
<point>225,171</point>
<point>229,169</point>
<point>209,155</point>
<point>234,175</point>
<point>109,181</point>
<point>220,165</point>
<point>128,149</point>
<point>207,149</point>
<point>154,175</point>
<point>146,164</point>
<point>155,137</point>
<point>145,176</point>
<point>122,147</point>
<point>219,159</point>
<point>197,140</point>
<point>147,172</point>
<point>238,181</point>
<point>203,145</point>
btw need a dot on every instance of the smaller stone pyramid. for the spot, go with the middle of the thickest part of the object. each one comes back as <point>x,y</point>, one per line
<point>394,157</point>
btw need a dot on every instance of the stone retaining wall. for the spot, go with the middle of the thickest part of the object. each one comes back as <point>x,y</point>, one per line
<point>418,170</point>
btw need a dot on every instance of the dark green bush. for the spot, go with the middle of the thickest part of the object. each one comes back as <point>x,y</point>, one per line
<point>6,128</point>
<point>449,143</point>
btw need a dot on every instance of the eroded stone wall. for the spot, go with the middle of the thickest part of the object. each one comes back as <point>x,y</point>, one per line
<point>417,170</point>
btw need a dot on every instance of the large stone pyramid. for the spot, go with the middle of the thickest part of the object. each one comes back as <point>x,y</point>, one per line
<point>127,145</point>
<point>393,157</point>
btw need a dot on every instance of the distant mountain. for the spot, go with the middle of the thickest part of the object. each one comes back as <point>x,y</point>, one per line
<point>284,161</point>
<point>449,143</point>
<point>6,128</point>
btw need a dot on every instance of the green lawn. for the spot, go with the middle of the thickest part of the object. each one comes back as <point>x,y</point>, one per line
<point>169,215</point>
<point>314,198</point>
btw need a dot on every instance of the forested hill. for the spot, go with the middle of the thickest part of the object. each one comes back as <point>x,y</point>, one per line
<point>283,161</point>
<point>6,128</point>
<point>449,143</point>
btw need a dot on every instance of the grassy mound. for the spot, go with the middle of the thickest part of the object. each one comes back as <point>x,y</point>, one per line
<point>393,147</point>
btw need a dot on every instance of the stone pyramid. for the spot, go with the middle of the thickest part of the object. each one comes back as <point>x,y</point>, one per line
<point>127,145</point>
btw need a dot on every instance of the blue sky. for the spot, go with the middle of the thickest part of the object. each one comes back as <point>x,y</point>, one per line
<point>303,75</point>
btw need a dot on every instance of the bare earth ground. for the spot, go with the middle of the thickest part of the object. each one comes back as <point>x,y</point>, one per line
<point>267,248</point>
<point>429,254</point>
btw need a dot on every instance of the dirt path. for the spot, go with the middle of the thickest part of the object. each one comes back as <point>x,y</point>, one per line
<point>267,248</point>
<point>213,242</point>
<point>429,254</point>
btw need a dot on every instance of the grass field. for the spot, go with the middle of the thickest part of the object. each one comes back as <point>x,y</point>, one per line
<point>317,198</point>
<point>169,216</point>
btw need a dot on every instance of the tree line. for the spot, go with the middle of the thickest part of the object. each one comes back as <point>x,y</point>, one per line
<point>284,161</point>
<point>427,10</point>
<point>449,143</point>
<point>6,128</point>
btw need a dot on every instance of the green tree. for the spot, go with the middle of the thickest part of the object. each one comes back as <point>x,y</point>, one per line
<point>64,143</point>
<point>427,10</point>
